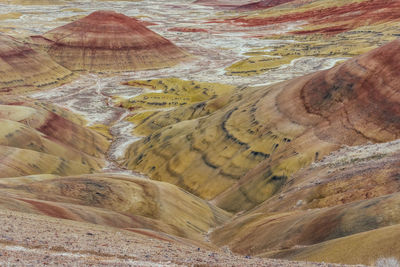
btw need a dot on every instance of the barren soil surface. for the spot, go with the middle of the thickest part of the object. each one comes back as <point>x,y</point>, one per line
<point>32,240</point>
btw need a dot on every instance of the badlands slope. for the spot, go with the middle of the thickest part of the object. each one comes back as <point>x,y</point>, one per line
<point>120,201</point>
<point>341,209</point>
<point>341,15</point>
<point>107,41</point>
<point>305,169</point>
<point>320,28</point>
<point>46,150</point>
<point>246,152</point>
<point>23,68</point>
<point>242,154</point>
<point>38,138</point>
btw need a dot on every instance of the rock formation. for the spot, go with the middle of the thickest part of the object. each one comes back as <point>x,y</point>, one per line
<point>106,41</point>
<point>23,69</point>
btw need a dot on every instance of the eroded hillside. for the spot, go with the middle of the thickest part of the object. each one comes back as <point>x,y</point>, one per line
<point>199,132</point>
<point>243,153</point>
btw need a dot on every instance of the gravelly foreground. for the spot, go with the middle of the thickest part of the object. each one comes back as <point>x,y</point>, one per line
<point>32,240</point>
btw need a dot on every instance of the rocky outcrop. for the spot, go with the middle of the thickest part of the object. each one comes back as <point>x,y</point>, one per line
<point>106,41</point>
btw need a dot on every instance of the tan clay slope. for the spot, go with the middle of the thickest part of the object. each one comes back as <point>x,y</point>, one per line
<point>149,122</point>
<point>353,190</point>
<point>24,69</point>
<point>40,142</point>
<point>34,139</point>
<point>108,41</point>
<point>350,174</point>
<point>172,92</point>
<point>115,200</point>
<point>68,243</point>
<point>363,248</point>
<point>242,154</point>
<point>258,233</point>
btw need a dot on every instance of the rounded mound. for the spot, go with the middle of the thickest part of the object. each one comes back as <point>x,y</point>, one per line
<point>109,41</point>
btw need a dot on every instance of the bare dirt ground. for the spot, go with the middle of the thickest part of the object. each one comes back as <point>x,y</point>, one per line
<point>32,240</point>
